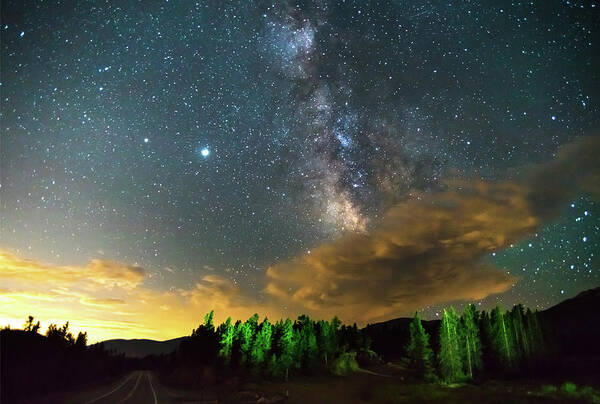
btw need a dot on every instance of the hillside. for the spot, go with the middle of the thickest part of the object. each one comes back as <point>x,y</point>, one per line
<point>139,348</point>
<point>575,323</point>
<point>563,321</point>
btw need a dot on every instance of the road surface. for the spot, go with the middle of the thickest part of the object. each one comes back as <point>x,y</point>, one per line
<point>139,387</point>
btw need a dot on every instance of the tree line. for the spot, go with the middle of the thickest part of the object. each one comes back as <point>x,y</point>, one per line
<point>272,349</point>
<point>476,342</point>
<point>60,335</point>
<point>34,364</point>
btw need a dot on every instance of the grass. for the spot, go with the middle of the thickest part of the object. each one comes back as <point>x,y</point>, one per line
<point>570,391</point>
<point>369,387</point>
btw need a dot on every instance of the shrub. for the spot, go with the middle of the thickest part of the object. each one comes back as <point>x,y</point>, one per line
<point>345,363</point>
<point>569,388</point>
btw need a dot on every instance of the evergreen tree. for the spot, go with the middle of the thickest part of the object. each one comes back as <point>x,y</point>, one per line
<point>60,335</point>
<point>418,353</point>
<point>287,346</point>
<point>262,344</point>
<point>208,321</point>
<point>307,348</point>
<point>536,339</point>
<point>226,341</point>
<point>450,352</point>
<point>488,354</point>
<point>253,323</point>
<point>326,340</point>
<point>470,341</point>
<point>236,352</point>
<point>30,327</point>
<point>519,332</point>
<point>274,365</point>
<point>501,339</point>
<point>81,340</point>
<point>246,339</point>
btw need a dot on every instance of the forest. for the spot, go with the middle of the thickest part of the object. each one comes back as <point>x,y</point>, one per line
<point>471,347</point>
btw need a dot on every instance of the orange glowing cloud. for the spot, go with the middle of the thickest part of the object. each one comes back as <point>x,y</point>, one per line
<point>429,250</point>
<point>425,251</point>
<point>111,300</point>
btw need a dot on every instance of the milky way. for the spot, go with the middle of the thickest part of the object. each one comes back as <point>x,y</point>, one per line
<point>193,138</point>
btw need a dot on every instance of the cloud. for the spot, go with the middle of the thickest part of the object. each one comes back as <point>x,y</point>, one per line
<point>575,169</point>
<point>425,251</point>
<point>429,250</point>
<point>111,300</point>
<point>97,273</point>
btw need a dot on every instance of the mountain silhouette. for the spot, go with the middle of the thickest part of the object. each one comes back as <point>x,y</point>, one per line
<point>140,348</point>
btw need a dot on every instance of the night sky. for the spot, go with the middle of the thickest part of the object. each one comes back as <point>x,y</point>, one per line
<point>241,153</point>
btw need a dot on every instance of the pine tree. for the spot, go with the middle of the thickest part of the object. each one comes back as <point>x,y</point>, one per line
<point>262,344</point>
<point>418,353</point>
<point>450,352</point>
<point>501,339</point>
<point>226,341</point>
<point>519,332</point>
<point>208,321</point>
<point>326,340</point>
<point>470,341</point>
<point>537,341</point>
<point>306,348</point>
<point>287,346</point>
<point>81,340</point>
<point>30,327</point>
<point>246,339</point>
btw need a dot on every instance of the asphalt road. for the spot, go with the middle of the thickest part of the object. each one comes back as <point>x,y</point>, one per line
<point>137,387</point>
<point>140,387</point>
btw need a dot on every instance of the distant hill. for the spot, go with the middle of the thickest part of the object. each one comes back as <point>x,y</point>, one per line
<point>573,323</point>
<point>139,348</point>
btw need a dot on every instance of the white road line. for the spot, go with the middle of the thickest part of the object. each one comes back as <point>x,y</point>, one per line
<point>152,387</point>
<point>112,391</point>
<point>133,389</point>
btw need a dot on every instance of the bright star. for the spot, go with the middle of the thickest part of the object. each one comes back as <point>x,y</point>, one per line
<point>145,140</point>
<point>205,152</point>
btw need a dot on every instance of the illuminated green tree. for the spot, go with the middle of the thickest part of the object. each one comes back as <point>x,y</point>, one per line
<point>226,332</point>
<point>262,344</point>
<point>286,346</point>
<point>501,338</point>
<point>470,341</point>
<point>246,339</point>
<point>306,348</point>
<point>327,339</point>
<point>418,353</point>
<point>450,353</point>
